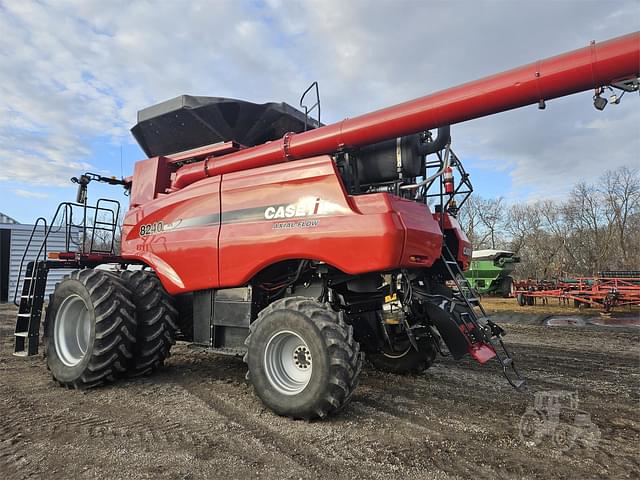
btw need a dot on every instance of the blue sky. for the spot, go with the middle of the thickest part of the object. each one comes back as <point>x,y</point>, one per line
<point>74,74</point>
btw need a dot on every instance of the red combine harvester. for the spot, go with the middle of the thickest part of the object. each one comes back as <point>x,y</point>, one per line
<point>256,231</point>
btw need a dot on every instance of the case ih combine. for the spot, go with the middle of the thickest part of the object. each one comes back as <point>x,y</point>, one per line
<point>298,248</point>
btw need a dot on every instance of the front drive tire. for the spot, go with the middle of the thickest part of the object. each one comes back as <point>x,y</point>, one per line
<point>90,329</point>
<point>303,360</point>
<point>157,321</point>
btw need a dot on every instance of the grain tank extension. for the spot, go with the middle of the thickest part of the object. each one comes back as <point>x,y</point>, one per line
<point>254,230</point>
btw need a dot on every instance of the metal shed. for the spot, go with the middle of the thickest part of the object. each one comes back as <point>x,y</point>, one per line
<point>14,237</point>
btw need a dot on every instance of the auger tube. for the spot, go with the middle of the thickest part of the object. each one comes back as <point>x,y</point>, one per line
<point>592,67</point>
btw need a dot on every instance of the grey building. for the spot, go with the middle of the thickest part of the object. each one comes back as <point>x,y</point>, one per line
<point>14,237</point>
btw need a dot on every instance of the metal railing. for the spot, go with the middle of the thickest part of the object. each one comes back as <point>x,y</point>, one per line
<point>105,215</point>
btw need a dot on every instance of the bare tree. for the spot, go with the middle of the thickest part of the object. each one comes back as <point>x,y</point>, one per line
<point>482,219</point>
<point>589,222</point>
<point>470,221</point>
<point>621,190</point>
<point>596,228</point>
<point>522,220</point>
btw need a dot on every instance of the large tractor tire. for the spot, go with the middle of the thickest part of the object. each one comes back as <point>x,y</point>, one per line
<point>506,287</point>
<point>406,359</point>
<point>90,329</point>
<point>522,300</point>
<point>157,321</point>
<point>303,360</point>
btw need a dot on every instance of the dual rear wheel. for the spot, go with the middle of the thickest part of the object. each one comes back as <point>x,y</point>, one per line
<point>302,356</point>
<point>100,325</point>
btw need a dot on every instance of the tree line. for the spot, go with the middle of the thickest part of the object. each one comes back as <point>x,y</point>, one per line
<point>596,228</point>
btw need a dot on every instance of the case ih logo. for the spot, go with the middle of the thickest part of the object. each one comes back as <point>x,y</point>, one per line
<point>304,208</point>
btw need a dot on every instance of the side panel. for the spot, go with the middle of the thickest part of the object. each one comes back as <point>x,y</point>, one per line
<point>19,237</point>
<point>300,210</point>
<point>152,178</point>
<point>5,240</point>
<point>221,231</point>
<point>458,242</point>
<point>177,234</point>
<point>423,240</point>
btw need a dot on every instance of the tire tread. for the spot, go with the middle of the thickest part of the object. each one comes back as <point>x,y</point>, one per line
<point>157,317</point>
<point>345,358</point>
<point>114,319</point>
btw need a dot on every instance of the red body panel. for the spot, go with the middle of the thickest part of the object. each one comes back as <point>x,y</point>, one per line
<point>151,177</point>
<point>452,228</point>
<point>184,252</point>
<point>286,211</point>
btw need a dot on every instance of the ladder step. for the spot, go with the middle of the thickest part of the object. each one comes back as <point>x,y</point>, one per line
<point>519,384</point>
<point>451,262</point>
<point>21,334</point>
<point>507,361</point>
<point>24,314</point>
<point>22,353</point>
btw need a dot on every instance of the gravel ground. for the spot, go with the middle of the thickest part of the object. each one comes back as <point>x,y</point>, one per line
<point>198,418</point>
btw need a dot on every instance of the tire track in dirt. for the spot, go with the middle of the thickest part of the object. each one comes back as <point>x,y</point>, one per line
<point>113,426</point>
<point>321,448</point>
<point>408,401</point>
<point>93,426</point>
<point>16,435</point>
<point>199,419</point>
<point>442,442</point>
<point>308,457</point>
<point>330,446</point>
<point>478,435</point>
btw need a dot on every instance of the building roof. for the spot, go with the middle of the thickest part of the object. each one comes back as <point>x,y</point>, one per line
<point>7,219</point>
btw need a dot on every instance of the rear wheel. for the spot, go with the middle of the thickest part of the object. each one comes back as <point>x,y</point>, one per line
<point>90,329</point>
<point>157,321</point>
<point>522,300</point>
<point>405,358</point>
<point>506,287</point>
<point>303,360</point>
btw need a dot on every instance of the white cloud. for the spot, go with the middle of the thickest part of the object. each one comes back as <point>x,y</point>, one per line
<point>77,70</point>
<point>29,194</point>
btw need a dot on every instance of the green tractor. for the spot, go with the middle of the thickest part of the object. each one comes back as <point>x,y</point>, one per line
<point>490,272</point>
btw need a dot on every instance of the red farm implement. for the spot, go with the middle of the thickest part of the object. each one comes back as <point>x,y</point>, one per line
<point>606,291</point>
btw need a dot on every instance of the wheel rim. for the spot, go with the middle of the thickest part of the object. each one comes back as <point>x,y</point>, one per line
<point>287,362</point>
<point>395,355</point>
<point>72,330</point>
<point>403,346</point>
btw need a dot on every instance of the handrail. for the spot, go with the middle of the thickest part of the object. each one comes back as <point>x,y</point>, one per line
<point>113,223</point>
<point>26,250</point>
<point>65,212</point>
<point>308,110</point>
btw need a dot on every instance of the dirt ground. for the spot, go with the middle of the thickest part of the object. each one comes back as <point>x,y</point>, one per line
<point>198,418</point>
